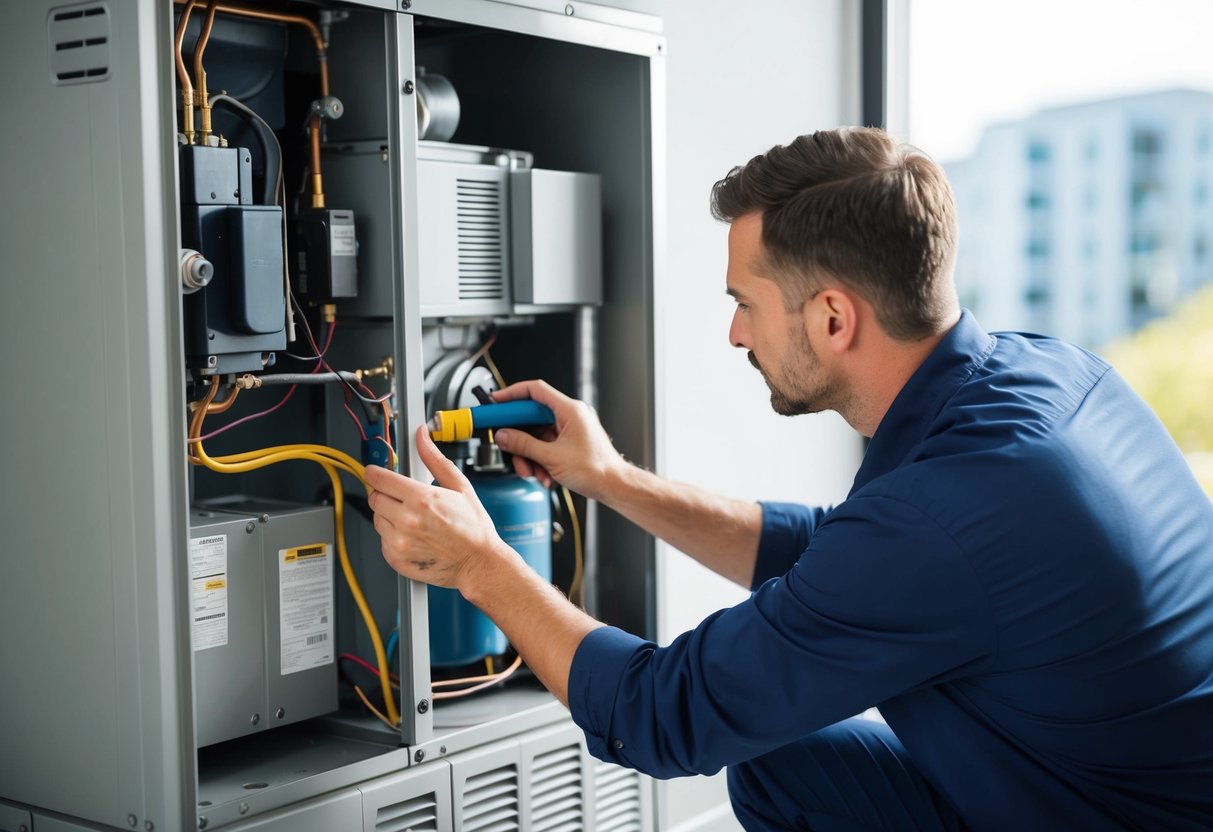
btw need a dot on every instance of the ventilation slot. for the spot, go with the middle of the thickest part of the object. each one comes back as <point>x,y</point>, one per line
<point>490,801</point>
<point>80,43</point>
<point>617,799</point>
<point>479,222</point>
<point>556,791</point>
<point>417,815</point>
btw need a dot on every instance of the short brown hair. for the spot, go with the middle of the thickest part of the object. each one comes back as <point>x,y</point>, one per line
<point>855,205</point>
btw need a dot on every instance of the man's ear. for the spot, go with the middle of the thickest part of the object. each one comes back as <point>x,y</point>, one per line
<point>831,318</point>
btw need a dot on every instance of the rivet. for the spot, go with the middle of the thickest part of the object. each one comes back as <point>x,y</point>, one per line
<point>149,826</point>
<point>280,713</point>
<point>243,808</point>
<point>265,518</point>
<point>202,821</point>
<point>407,89</point>
<point>132,820</point>
<point>442,749</point>
<point>568,9</point>
<point>423,706</point>
<point>406,4</point>
<point>250,527</point>
<point>254,719</point>
<point>419,756</point>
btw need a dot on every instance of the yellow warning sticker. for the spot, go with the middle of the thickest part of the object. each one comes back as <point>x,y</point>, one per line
<point>219,584</point>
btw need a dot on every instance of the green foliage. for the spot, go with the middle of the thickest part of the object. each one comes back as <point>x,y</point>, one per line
<point>1169,362</point>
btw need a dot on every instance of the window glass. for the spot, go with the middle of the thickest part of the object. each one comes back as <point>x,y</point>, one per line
<point>1081,180</point>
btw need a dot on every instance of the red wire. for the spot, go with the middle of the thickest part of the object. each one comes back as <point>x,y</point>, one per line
<point>363,663</point>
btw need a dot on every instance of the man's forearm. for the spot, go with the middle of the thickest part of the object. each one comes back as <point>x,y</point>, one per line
<point>719,532</point>
<point>540,623</point>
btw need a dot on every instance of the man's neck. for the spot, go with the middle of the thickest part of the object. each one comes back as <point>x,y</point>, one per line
<point>884,372</point>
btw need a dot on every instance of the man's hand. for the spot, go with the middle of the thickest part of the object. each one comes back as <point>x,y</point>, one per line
<point>436,535</point>
<point>576,452</point>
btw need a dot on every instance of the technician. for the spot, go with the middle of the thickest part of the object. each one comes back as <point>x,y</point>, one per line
<point>1021,577</point>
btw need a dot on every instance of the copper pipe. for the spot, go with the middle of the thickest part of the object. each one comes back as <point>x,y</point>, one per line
<point>204,103</point>
<point>223,406</point>
<point>321,57</point>
<point>187,87</point>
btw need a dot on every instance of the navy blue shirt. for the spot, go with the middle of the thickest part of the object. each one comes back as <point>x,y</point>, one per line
<point>1021,579</point>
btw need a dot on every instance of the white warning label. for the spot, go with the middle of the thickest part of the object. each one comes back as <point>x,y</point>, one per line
<point>305,603</point>
<point>342,240</point>
<point>208,581</point>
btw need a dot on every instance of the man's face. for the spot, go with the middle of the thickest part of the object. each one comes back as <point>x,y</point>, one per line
<point>774,337</point>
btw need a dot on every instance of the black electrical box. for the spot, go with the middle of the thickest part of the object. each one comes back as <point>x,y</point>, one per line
<point>236,322</point>
<point>327,247</point>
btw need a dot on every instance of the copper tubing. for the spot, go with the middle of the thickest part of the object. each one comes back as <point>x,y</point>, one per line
<point>220,407</point>
<point>204,104</point>
<point>321,57</point>
<point>187,88</point>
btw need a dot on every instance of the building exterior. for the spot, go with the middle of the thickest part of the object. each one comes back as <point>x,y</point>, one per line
<point>1086,221</point>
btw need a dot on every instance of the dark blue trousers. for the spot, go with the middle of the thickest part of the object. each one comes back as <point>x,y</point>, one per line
<point>849,777</point>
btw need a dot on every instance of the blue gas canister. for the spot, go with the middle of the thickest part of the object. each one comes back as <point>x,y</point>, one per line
<point>521,511</point>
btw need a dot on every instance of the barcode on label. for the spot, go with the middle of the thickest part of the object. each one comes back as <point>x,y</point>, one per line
<point>316,639</point>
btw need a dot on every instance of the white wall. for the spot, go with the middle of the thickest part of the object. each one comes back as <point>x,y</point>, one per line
<point>741,78</point>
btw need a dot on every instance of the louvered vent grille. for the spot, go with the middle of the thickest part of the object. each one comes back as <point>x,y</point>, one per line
<point>480,212</point>
<point>617,799</point>
<point>80,43</point>
<point>417,815</point>
<point>490,801</point>
<point>556,791</point>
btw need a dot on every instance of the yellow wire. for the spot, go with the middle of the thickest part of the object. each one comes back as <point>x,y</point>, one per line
<point>331,460</point>
<point>372,708</point>
<point>575,585</point>
<point>488,360</point>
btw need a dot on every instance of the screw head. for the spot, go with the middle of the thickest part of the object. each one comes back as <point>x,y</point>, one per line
<point>132,820</point>
<point>255,719</point>
<point>280,713</point>
<point>265,518</point>
<point>212,194</point>
<point>423,706</point>
<point>243,808</point>
<point>202,821</point>
<point>419,756</point>
<point>442,749</point>
<point>250,527</point>
<point>149,826</point>
<point>407,89</point>
<point>568,9</point>
<point>210,336</point>
<point>406,4</point>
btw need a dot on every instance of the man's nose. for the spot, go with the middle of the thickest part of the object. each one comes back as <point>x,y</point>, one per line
<point>739,336</point>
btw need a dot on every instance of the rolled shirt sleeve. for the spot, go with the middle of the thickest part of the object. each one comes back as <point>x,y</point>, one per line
<point>881,602</point>
<point>786,529</point>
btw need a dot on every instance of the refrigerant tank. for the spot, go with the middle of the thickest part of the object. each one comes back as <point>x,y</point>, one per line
<point>521,511</point>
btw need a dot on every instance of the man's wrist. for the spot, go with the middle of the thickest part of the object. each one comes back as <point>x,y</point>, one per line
<point>488,572</point>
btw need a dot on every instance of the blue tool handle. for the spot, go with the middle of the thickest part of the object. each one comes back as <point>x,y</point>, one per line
<point>521,413</point>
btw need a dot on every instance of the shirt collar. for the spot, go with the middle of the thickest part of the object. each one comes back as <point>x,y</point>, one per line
<point>962,350</point>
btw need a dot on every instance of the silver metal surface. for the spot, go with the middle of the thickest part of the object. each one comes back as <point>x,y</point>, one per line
<point>626,30</point>
<point>240,687</point>
<point>92,583</point>
<point>556,237</point>
<point>414,666</point>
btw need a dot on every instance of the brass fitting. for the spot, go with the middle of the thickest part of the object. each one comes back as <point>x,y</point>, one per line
<point>329,311</point>
<point>248,381</point>
<point>384,370</point>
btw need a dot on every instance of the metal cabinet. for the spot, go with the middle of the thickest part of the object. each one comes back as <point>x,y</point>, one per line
<point>97,727</point>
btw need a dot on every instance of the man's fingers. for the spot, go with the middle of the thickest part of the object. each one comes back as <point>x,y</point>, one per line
<point>391,483</point>
<point>536,389</point>
<point>445,472</point>
<point>521,443</point>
